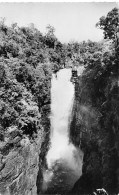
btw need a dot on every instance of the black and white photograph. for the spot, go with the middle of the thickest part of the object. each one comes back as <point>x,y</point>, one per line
<point>59,98</point>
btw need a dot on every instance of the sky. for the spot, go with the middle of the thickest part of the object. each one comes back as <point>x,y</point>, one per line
<point>72,21</point>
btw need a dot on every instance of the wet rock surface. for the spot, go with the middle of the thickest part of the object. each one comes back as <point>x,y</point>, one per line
<point>19,164</point>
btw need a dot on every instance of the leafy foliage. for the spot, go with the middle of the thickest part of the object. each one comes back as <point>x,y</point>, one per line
<point>27,60</point>
<point>110,24</point>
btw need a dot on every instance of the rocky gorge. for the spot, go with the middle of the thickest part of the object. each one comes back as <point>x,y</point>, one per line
<point>88,129</point>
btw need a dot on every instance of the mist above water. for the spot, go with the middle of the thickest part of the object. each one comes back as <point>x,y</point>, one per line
<point>63,158</point>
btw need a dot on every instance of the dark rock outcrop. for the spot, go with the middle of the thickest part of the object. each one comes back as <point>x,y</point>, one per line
<point>94,132</point>
<point>84,120</point>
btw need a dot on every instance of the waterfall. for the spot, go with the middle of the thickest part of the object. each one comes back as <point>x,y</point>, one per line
<point>61,150</point>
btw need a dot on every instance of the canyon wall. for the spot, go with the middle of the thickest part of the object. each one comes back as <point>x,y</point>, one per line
<point>21,160</point>
<point>94,133</point>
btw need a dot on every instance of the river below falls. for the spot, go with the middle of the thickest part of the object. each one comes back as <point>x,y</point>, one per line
<point>64,160</point>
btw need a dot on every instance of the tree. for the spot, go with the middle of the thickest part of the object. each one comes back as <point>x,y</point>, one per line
<point>110,24</point>
<point>50,30</point>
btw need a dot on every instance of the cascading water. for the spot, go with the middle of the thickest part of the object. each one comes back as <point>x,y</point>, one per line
<point>64,160</point>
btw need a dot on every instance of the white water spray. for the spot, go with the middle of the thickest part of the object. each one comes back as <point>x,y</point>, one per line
<point>61,150</point>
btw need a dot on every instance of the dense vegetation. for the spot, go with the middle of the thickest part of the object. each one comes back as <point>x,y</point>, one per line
<point>27,59</point>
<point>97,121</point>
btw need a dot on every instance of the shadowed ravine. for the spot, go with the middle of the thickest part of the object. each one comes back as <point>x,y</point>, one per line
<point>64,160</point>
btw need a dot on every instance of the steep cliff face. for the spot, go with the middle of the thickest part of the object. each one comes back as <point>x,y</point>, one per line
<point>44,147</point>
<point>92,128</point>
<point>21,160</point>
<point>82,133</point>
<point>19,165</point>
